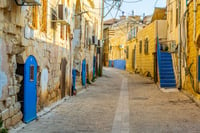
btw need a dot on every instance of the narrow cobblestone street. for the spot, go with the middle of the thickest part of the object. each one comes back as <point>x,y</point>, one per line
<point>120,102</point>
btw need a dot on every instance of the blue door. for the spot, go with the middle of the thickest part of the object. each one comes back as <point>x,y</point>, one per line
<point>94,66</point>
<point>30,90</point>
<point>84,72</point>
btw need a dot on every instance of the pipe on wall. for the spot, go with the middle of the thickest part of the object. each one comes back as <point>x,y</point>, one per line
<point>194,30</point>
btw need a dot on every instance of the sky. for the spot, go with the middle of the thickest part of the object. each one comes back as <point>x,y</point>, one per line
<point>141,7</point>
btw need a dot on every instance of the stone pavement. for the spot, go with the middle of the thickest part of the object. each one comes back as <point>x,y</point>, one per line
<point>120,102</point>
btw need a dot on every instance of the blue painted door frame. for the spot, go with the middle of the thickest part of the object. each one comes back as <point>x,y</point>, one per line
<point>30,89</point>
<point>84,72</point>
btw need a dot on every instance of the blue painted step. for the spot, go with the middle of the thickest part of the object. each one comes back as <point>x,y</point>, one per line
<point>163,81</point>
<point>168,85</point>
<point>167,78</point>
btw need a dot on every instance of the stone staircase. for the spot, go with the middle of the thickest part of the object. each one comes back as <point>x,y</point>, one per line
<point>167,78</point>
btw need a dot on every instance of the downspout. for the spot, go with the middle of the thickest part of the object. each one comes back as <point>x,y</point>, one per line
<point>180,46</point>
<point>194,30</point>
<point>194,38</point>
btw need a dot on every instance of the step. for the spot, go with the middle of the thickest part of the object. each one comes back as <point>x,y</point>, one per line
<point>165,53</point>
<point>171,81</point>
<point>165,59</point>
<point>166,68</point>
<point>167,77</point>
<point>165,62</point>
<point>165,56</point>
<point>166,65</point>
<point>169,72</point>
<point>167,85</point>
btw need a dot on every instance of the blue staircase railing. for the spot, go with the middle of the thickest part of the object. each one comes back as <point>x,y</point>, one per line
<point>158,57</point>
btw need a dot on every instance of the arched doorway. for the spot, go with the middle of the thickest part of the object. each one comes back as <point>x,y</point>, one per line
<point>30,90</point>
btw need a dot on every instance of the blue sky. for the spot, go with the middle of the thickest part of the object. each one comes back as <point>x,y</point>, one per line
<point>144,6</point>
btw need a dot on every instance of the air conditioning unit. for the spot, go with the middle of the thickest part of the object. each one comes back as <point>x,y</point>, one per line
<point>63,13</point>
<point>35,2</point>
<point>121,46</point>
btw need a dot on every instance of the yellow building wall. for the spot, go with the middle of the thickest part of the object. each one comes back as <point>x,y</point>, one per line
<point>129,60</point>
<point>106,47</point>
<point>192,51</point>
<point>173,32</point>
<point>119,38</point>
<point>145,62</point>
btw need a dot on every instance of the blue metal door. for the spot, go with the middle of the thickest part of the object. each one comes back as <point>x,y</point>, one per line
<point>30,90</point>
<point>84,72</point>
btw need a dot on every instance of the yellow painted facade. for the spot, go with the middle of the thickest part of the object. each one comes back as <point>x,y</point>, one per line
<point>173,32</point>
<point>145,59</point>
<point>120,39</point>
<point>191,83</point>
<point>117,42</point>
<point>130,61</point>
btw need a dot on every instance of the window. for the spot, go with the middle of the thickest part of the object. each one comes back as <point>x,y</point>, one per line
<point>177,12</point>
<point>31,73</point>
<point>35,17</point>
<point>62,31</point>
<point>140,46</point>
<point>44,16</point>
<point>67,32</point>
<point>171,19</point>
<point>146,46</point>
<point>53,17</point>
<point>127,52</point>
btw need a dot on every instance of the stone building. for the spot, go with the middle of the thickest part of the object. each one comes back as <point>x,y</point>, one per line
<point>116,36</point>
<point>192,76</point>
<point>147,43</point>
<point>38,53</point>
<point>173,36</point>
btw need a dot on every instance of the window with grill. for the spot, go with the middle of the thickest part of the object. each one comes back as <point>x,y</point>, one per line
<point>140,46</point>
<point>146,46</point>
<point>127,52</point>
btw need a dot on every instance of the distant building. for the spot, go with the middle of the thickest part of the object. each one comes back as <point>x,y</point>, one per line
<point>116,35</point>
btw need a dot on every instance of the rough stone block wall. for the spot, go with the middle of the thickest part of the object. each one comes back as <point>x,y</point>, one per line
<point>15,49</point>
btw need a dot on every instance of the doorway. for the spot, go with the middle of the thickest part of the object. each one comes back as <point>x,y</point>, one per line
<point>30,90</point>
<point>63,77</point>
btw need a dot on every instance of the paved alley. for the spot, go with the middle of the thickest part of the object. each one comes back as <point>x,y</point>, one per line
<point>120,102</point>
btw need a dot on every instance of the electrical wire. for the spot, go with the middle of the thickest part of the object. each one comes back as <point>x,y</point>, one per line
<point>110,9</point>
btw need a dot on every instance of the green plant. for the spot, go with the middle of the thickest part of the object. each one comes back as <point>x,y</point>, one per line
<point>2,129</point>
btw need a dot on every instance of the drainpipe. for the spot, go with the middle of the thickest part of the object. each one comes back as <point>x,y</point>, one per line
<point>194,31</point>
<point>194,38</point>
<point>180,46</point>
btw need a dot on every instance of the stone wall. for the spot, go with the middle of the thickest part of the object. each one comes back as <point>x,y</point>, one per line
<point>191,82</point>
<point>17,42</point>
